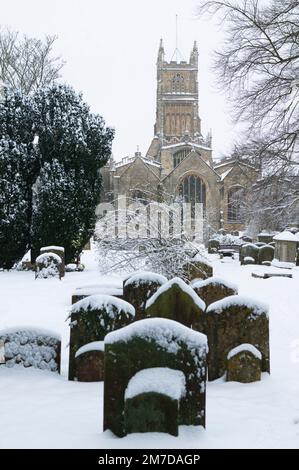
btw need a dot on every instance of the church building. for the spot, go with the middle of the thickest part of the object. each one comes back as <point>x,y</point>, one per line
<point>178,165</point>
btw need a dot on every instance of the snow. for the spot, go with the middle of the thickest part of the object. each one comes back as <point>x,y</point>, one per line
<point>144,277</point>
<point>45,257</point>
<point>201,259</point>
<point>249,258</point>
<point>187,289</point>
<point>225,173</point>
<point>71,267</point>
<point>98,290</point>
<point>52,247</point>
<point>245,347</point>
<point>32,331</point>
<point>266,234</point>
<point>162,380</point>
<point>259,308</point>
<point>197,284</point>
<point>282,264</point>
<point>93,346</point>
<point>251,245</point>
<point>99,302</point>
<point>286,236</point>
<point>45,410</point>
<point>165,332</point>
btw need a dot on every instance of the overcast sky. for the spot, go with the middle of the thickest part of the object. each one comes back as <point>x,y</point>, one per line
<point>110,47</point>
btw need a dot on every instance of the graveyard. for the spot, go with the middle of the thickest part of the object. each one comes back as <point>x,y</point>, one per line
<point>136,360</point>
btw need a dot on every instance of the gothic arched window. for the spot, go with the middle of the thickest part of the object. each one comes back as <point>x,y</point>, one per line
<point>179,156</point>
<point>235,204</point>
<point>178,84</point>
<point>193,190</point>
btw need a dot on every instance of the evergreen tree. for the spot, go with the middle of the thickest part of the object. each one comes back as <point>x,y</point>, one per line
<point>19,164</point>
<point>74,144</point>
<point>15,207</point>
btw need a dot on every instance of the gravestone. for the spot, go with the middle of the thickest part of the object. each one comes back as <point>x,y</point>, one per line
<point>214,289</point>
<point>249,250</point>
<point>233,321</point>
<point>92,318</point>
<point>57,250</point>
<point>48,265</point>
<point>152,401</point>
<point>266,254</point>
<point>89,362</point>
<point>96,289</point>
<point>177,301</point>
<point>197,268</point>
<point>265,237</point>
<point>244,364</point>
<point>151,343</point>
<point>139,288</point>
<point>213,245</point>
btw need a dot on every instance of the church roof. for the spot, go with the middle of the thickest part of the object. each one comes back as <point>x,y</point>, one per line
<point>192,152</point>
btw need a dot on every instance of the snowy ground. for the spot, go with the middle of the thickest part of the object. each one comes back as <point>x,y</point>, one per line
<point>43,410</point>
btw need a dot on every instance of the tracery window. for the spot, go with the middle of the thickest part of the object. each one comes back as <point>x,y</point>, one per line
<point>235,204</point>
<point>178,84</point>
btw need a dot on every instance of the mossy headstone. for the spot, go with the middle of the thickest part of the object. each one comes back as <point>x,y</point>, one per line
<point>92,318</point>
<point>249,250</point>
<point>266,253</point>
<point>139,288</point>
<point>233,321</point>
<point>214,289</point>
<point>197,268</point>
<point>177,301</point>
<point>151,343</point>
<point>244,364</point>
<point>89,362</point>
<point>213,245</point>
<point>152,401</point>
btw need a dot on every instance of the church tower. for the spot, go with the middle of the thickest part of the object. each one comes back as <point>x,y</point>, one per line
<point>177,108</point>
<point>177,98</point>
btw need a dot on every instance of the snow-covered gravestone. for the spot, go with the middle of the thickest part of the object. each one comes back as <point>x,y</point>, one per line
<point>265,237</point>
<point>152,400</point>
<point>81,293</point>
<point>244,364</point>
<point>213,289</point>
<point>233,321</point>
<point>197,268</point>
<point>266,254</point>
<point>30,348</point>
<point>139,288</point>
<point>147,344</point>
<point>249,250</point>
<point>48,265</point>
<point>89,362</point>
<point>213,245</point>
<point>91,319</point>
<point>177,301</point>
<point>57,250</point>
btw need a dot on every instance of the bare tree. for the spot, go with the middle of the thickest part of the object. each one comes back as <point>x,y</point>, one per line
<point>130,240</point>
<point>258,64</point>
<point>27,64</point>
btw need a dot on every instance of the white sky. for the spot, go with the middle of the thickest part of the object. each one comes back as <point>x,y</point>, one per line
<point>110,47</point>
